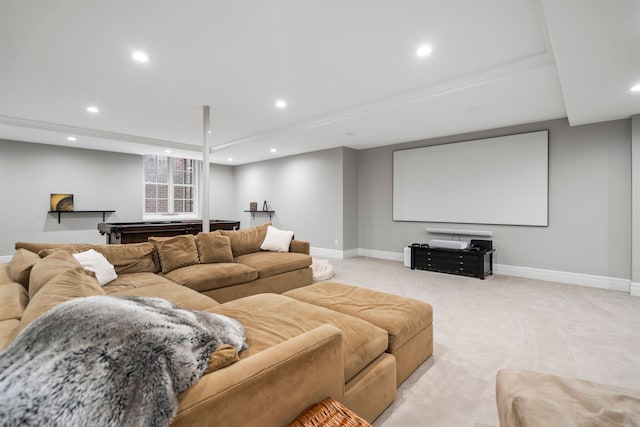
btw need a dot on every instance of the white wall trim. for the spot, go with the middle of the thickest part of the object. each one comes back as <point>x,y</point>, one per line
<point>589,280</point>
<point>328,253</point>
<point>350,253</point>
<point>391,256</point>
<point>5,258</point>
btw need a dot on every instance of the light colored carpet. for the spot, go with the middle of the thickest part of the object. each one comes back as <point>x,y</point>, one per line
<point>481,326</point>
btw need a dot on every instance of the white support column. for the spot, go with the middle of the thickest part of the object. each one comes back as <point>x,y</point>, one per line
<point>205,169</point>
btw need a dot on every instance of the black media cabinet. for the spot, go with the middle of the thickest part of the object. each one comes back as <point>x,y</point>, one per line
<point>465,262</point>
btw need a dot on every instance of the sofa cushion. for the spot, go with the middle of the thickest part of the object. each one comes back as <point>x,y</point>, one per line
<point>74,282</point>
<point>48,248</point>
<point>129,258</point>
<point>14,301</point>
<point>6,332</point>
<point>277,240</point>
<point>47,268</point>
<point>177,251</point>
<point>403,318</point>
<point>165,289</point>
<point>272,263</point>
<point>270,319</point>
<point>127,282</point>
<point>204,277</point>
<point>19,268</point>
<point>214,247</point>
<point>246,241</point>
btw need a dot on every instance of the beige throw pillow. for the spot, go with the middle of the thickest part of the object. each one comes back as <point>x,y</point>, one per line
<point>214,247</point>
<point>129,258</point>
<point>246,241</point>
<point>178,251</point>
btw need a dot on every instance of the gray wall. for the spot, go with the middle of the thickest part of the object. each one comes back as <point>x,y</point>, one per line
<point>345,195</point>
<point>98,180</point>
<point>29,173</point>
<point>589,202</point>
<point>222,193</point>
<point>305,191</point>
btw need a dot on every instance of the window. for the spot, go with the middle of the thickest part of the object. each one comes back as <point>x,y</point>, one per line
<point>170,186</point>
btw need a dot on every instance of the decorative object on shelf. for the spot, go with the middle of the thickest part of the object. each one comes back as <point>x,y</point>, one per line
<point>253,206</point>
<point>265,206</point>
<point>61,202</point>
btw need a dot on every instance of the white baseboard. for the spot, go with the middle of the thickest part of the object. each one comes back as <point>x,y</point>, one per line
<point>592,281</point>
<point>5,258</point>
<point>350,253</point>
<point>589,280</point>
<point>391,256</point>
<point>327,253</point>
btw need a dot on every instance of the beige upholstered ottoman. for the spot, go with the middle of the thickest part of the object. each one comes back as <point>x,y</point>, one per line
<point>532,399</point>
<point>407,321</point>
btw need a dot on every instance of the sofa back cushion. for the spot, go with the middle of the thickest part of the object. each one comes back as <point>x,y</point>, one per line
<point>177,251</point>
<point>129,258</point>
<point>50,247</point>
<point>214,247</point>
<point>69,283</point>
<point>20,266</point>
<point>49,267</point>
<point>246,241</point>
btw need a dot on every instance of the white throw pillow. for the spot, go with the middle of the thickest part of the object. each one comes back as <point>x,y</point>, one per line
<point>277,240</point>
<point>97,263</point>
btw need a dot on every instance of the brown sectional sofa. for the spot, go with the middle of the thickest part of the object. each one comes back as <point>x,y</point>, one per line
<point>224,264</point>
<point>301,348</point>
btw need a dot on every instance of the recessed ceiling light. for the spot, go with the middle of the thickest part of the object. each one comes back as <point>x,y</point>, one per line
<point>93,109</point>
<point>140,56</point>
<point>281,103</point>
<point>167,151</point>
<point>635,88</point>
<point>423,50</point>
<point>230,159</point>
<point>72,138</point>
<point>208,131</point>
<point>274,150</point>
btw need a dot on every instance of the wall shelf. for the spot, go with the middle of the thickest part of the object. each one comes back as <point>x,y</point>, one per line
<point>103,212</point>
<point>253,213</point>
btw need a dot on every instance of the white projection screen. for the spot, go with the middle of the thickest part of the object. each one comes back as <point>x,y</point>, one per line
<point>502,180</point>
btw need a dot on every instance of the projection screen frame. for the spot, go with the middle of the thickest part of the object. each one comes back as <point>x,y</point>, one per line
<point>498,137</point>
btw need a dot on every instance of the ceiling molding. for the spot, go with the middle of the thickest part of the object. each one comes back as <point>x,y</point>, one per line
<point>442,88</point>
<point>94,133</point>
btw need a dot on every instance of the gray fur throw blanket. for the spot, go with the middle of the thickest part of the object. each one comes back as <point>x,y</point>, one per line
<point>108,361</point>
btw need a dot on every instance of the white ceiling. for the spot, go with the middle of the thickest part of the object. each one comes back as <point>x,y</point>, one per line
<point>347,69</point>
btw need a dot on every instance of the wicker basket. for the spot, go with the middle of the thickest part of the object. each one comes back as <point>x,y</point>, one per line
<point>329,413</point>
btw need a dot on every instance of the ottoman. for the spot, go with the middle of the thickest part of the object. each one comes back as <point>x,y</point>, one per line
<point>407,321</point>
<point>536,399</point>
